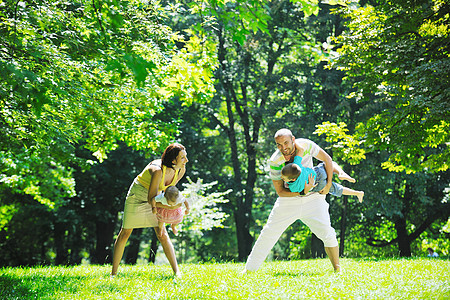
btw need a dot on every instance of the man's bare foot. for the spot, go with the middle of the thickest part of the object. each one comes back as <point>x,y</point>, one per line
<point>360,196</point>
<point>174,229</point>
<point>345,176</point>
<point>245,272</point>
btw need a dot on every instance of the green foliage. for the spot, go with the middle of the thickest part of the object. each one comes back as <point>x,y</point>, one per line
<point>396,54</point>
<point>24,234</point>
<point>305,279</point>
<point>300,244</point>
<point>202,229</point>
<point>204,213</point>
<point>262,50</point>
<point>90,73</point>
<point>344,146</point>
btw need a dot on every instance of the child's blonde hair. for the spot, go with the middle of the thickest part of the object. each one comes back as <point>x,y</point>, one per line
<point>171,194</point>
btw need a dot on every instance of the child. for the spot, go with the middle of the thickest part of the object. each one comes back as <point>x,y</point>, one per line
<point>296,176</point>
<point>166,215</point>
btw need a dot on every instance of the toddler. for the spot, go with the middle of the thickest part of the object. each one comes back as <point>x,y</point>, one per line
<point>169,214</point>
<point>296,176</point>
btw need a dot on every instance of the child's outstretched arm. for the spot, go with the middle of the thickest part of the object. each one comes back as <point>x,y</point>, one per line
<point>188,208</point>
<point>310,184</point>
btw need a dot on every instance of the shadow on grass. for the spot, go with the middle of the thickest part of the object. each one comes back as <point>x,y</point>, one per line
<point>151,276</point>
<point>294,274</point>
<point>37,286</point>
<point>14,288</point>
<point>384,259</point>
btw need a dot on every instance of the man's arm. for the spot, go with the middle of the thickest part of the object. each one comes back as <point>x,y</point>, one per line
<point>281,190</point>
<point>323,156</point>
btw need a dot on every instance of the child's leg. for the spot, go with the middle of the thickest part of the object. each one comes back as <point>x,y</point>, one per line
<point>160,227</point>
<point>341,174</point>
<point>350,192</point>
<point>174,229</point>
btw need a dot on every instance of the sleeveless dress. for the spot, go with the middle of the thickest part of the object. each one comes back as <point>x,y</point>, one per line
<point>138,212</point>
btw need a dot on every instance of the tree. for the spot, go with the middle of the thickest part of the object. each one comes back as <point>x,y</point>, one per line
<point>397,54</point>
<point>205,215</point>
<point>408,204</point>
<point>85,73</point>
<point>259,49</point>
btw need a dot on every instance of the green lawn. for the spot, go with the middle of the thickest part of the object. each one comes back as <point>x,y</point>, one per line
<point>305,279</point>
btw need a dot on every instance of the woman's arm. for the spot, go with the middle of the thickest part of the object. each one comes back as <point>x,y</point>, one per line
<point>158,204</point>
<point>156,174</point>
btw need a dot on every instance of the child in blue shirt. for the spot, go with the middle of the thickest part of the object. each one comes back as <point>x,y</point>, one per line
<point>297,177</point>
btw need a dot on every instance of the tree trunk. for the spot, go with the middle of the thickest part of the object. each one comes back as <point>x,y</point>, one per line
<point>343,225</point>
<point>62,253</point>
<point>132,251</point>
<point>153,248</point>
<point>104,236</point>
<point>244,238</point>
<point>317,247</point>
<point>403,241</point>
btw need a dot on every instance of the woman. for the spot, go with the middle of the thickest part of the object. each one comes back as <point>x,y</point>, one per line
<point>156,177</point>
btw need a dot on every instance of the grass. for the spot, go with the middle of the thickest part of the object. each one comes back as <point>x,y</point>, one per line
<point>304,279</point>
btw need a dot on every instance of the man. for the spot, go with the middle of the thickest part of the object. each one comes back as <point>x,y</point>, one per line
<point>311,209</point>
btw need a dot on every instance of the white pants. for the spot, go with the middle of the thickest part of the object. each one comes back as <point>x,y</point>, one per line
<point>312,210</point>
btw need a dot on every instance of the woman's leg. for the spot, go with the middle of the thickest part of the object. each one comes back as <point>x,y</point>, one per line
<point>119,246</point>
<point>350,192</point>
<point>169,251</point>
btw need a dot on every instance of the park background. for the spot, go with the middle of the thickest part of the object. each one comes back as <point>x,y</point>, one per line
<point>91,91</point>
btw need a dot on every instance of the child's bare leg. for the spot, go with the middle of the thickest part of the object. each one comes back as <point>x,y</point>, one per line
<point>174,229</point>
<point>341,174</point>
<point>350,192</point>
<point>160,227</point>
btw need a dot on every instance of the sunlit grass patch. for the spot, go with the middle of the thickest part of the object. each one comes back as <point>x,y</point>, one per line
<point>304,279</point>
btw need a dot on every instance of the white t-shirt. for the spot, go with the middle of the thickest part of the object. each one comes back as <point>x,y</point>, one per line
<point>277,161</point>
<point>161,199</point>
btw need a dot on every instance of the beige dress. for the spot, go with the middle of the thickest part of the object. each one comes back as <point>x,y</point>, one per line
<point>138,212</point>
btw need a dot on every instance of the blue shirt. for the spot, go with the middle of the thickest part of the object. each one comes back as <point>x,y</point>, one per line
<point>299,184</point>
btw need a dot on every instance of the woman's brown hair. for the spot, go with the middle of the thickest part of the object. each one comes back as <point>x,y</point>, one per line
<point>171,153</point>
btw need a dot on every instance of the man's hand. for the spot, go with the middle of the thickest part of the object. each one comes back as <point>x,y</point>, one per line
<point>326,189</point>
